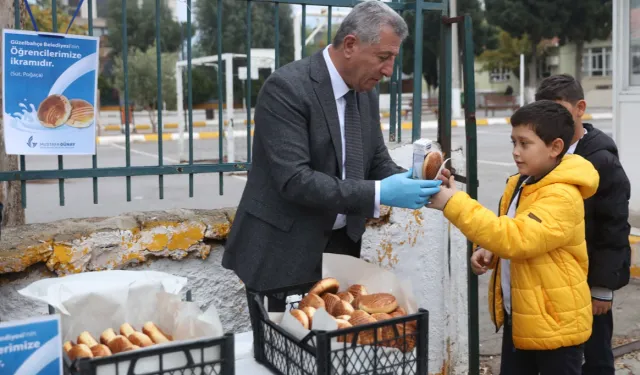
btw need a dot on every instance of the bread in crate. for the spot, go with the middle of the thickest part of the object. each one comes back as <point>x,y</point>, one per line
<point>111,343</point>
<point>354,307</point>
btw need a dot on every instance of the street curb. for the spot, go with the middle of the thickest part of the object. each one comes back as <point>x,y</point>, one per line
<point>634,240</point>
<point>407,125</point>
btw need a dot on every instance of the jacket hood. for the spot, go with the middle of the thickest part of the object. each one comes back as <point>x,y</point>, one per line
<point>595,140</point>
<point>573,170</point>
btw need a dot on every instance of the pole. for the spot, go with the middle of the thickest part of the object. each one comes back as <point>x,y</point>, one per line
<point>10,192</point>
<point>180,106</point>
<point>521,79</point>
<point>297,36</point>
<point>228,62</point>
<point>456,106</point>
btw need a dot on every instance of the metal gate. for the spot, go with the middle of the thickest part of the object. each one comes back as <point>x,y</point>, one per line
<point>190,168</point>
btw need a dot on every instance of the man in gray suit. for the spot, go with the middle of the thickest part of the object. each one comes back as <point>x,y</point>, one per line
<point>320,164</point>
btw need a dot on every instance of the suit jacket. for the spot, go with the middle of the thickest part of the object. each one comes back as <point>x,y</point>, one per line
<point>294,190</point>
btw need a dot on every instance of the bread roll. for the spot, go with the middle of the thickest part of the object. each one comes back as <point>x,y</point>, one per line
<point>81,115</point>
<point>398,312</point>
<point>326,285</point>
<point>120,344</point>
<point>54,111</point>
<point>388,332</point>
<point>301,317</point>
<point>366,337</point>
<point>100,350</point>
<point>346,296</point>
<point>67,346</point>
<point>107,336</point>
<point>360,317</point>
<point>312,300</point>
<point>343,317</point>
<point>431,165</point>
<point>154,333</point>
<point>378,303</point>
<point>310,311</point>
<point>79,351</point>
<point>126,330</point>
<point>357,290</point>
<point>330,301</point>
<point>342,324</point>
<point>86,338</point>
<point>140,339</point>
<point>342,308</point>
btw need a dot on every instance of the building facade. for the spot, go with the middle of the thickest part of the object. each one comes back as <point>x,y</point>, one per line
<point>626,90</point>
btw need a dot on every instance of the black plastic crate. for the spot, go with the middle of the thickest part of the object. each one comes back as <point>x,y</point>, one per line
<point>192,356</point>
<point>284,354</point>
<point>206,356</point>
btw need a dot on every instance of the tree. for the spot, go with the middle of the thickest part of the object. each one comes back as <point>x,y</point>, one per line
<point>10,195</point>
<point>43,14</point>
<point>234,27</point>
<point>589,20</point>
<point>143,87</point>
<point>483,37</point>
<point>507,55</point>
<point>141,26</point>
<point>234,34</point>
<point>540,19</point>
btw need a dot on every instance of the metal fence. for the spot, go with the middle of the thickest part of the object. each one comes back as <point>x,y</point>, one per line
<point>395,130</point>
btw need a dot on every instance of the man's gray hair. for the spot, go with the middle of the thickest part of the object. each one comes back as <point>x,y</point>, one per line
<point>366,20</point>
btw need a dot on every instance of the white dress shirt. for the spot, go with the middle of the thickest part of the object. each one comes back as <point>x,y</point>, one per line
<point>340,89</point>
<point>572,148</point>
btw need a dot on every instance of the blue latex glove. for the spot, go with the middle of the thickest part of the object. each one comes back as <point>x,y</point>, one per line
<point>400,190</point>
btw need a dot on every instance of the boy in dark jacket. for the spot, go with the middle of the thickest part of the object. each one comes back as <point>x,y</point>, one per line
<point>606,218</point>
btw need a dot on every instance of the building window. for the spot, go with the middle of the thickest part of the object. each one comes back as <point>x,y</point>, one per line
<point>634,40</point>
<point>499,75</point>
<point>597,62</point>
<point>100,31</point>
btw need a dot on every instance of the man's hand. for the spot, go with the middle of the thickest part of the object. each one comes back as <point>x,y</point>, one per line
<point>600,307</point>
<point>480,261</point>
<point>400,190</point>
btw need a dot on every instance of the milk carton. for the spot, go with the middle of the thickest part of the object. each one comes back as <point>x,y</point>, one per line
<point>421,148</point>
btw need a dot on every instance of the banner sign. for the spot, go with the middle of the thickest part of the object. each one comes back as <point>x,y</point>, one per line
<point>50,92</point>
<point>31,346</point>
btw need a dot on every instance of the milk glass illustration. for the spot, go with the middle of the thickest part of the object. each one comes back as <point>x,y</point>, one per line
<point>50,93</point>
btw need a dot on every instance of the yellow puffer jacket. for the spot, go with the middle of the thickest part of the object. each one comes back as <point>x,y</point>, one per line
<point>550,298</point>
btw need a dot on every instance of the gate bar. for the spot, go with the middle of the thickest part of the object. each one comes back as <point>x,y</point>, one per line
<point>417,78</point>
<point>94,157</point>
<point>48,174</point>
<point>159,98</point>
<point>190,95</point>
<point>220,80</point>
<point>248,98</point>
<point>125,67</point>
<point>472,187</point>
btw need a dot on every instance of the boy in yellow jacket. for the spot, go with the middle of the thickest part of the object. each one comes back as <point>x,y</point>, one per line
<point>538,289</point>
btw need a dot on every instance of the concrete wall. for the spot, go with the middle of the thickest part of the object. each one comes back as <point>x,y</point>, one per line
<point>419,245</point>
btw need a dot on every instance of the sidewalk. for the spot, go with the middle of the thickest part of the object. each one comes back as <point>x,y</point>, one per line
<point>242,132</point>
<point>626,325</point>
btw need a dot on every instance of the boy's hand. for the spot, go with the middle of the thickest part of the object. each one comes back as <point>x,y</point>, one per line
<point>447,190</point>
<point>480,261</point>
<point>600,307</point>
